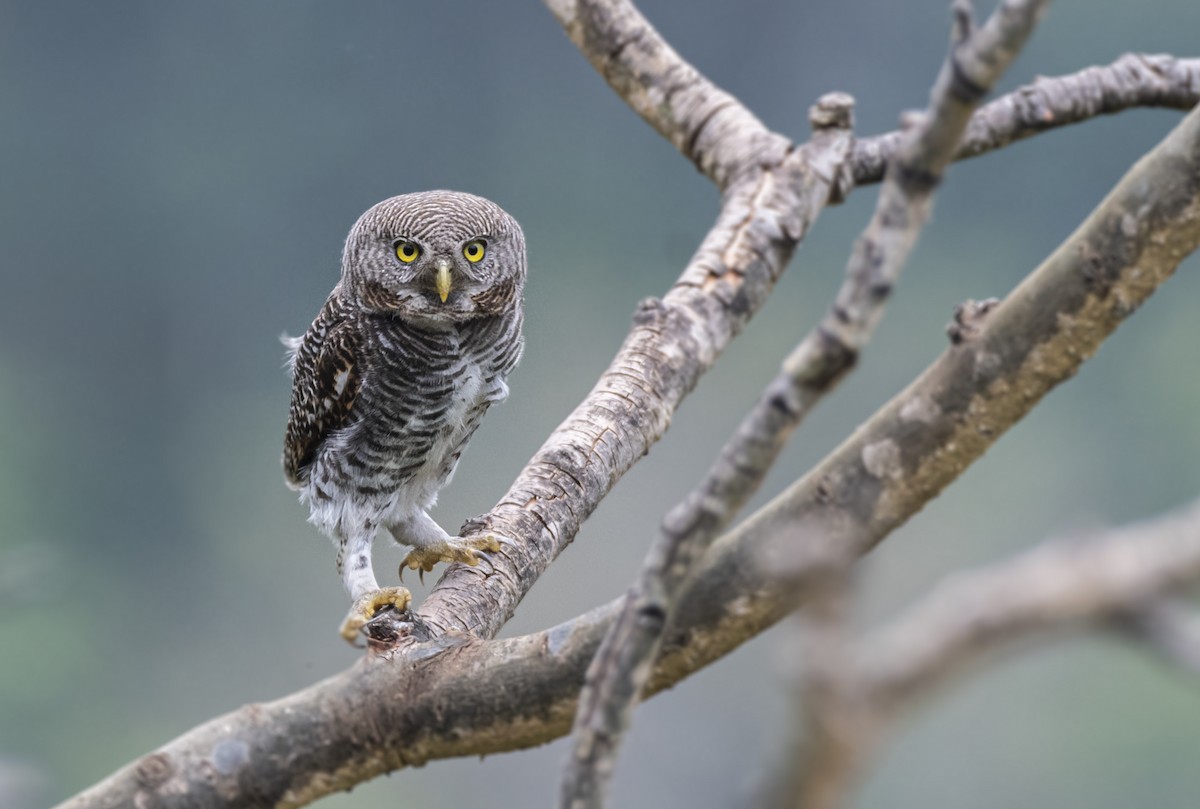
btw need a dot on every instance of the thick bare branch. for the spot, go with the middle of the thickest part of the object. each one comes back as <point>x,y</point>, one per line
<point>673,342</point>
<point>676,340</point>
<point>389,712</point>
<point>1056,586</point>
<point>1134,80</point>
<point>622,665</point>
<point>672,345</point>
<point>1004,357</point>
<point>460,696</point>
<point>707,125</point>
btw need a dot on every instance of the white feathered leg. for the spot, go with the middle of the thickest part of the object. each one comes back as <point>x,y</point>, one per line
<point>354,563</point>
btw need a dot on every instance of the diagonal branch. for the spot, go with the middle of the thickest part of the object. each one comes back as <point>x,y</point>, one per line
<point>1134,80</point>
<point>779,191</point>
<point>1003,359</point>
<point>1056,586</point>
<point>466,696</point>
<point>622,665</point>
<point>852,695</point>
<point>707,125</point>
<point>672,342</point>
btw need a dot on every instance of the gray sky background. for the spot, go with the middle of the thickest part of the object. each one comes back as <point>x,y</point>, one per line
<point>177,182</point>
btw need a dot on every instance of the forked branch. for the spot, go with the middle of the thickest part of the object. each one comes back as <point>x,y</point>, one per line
<point>1059,587</point>
<point>459,696</point>
<point>765,214</point>
<point>1134,80</point>
<point>772,194</point>
<point>622,665</point>
<point>462,694</point>
<point>1068,584</point>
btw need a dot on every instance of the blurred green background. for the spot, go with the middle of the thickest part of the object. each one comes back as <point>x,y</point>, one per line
<point>177,179</point>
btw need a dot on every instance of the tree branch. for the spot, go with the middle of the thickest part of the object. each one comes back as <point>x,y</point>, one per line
<point>768,206</point>
<point>729,277</point>
<point>1134,80</point>
<point>707,125</point>
<point>1066,584</point>
<point>673,342</point>
<point>1004,357</point>
<point>851,695</point>
<point>457,696</point>
<point>622,665</point>
<point>779,191</point>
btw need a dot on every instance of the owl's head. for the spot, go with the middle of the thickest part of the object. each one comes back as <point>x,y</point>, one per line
<point>435,256</point>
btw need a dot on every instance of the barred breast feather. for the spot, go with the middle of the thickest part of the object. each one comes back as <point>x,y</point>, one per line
<point>382,408</point>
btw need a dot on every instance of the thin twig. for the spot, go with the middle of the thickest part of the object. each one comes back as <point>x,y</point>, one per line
<point>623,662</point>
<point>975,62</point>
<point>1134,80</point>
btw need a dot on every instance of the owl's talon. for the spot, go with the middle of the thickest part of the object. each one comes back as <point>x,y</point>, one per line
<point>467,550</point>
<point>368,606</point>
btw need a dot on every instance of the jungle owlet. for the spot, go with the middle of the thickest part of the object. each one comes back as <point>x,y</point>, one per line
<point>393,376</point>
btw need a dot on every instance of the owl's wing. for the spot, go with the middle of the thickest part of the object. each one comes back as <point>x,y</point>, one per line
<point>325,383</point>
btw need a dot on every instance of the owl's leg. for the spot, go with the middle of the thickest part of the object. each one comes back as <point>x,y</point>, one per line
<point>431,544</point>
<point>354,563</point>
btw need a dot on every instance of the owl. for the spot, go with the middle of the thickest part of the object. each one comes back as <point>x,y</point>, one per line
<point>390,381</point>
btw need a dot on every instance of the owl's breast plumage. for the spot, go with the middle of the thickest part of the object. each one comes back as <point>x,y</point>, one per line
<point>421,394</point>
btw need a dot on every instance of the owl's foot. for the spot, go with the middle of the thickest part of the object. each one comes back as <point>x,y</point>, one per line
<point>454,549</point>
<point>365,608</point>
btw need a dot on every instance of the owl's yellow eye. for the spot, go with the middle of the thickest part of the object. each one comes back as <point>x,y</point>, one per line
<point>407,252</point>
<point>473,251</point>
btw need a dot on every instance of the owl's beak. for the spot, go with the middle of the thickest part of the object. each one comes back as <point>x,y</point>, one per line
<point>442,279</point>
